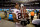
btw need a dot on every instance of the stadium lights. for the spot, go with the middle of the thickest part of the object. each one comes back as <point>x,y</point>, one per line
<point>26,4</point>
<point>36,3</point>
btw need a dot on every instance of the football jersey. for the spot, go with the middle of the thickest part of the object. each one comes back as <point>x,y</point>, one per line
<point>16,11</point>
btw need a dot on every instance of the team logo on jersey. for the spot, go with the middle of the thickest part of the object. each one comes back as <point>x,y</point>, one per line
<point>19,15</point>
<point>17,12</point>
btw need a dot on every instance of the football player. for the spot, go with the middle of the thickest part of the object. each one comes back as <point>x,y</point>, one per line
<point>15,15</point>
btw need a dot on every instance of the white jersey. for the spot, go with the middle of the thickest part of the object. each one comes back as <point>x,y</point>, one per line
<point>16,11</point>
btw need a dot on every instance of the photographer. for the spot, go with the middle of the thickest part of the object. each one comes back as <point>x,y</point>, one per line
<point>36,22</point>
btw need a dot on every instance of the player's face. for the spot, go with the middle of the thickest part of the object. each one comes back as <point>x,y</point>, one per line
<point>17,6</point>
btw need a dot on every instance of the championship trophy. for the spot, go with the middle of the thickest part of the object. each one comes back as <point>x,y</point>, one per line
<point>23,18</point>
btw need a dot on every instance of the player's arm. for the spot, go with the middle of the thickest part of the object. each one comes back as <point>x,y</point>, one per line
<point>27,15</point>
<point>14,17</point>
